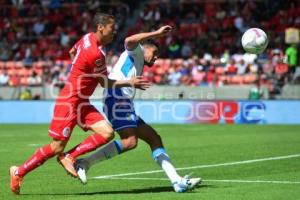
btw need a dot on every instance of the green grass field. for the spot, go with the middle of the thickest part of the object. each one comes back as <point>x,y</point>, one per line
<point>261,165</point>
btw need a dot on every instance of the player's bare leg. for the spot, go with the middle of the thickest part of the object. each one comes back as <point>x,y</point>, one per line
<point>103,133</point>
<point>37,159</point>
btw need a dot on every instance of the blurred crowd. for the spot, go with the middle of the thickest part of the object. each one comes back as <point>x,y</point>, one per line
<point>33,30</point>
<point>203,50</point>
<point>216,26</point>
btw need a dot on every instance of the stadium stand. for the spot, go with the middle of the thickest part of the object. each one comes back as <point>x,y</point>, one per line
<point>204,49</point>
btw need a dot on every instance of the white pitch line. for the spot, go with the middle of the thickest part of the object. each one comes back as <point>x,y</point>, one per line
<point>254,181</point>
<point>203,166</point>
<point>34,145</point>
<point>226,181</point>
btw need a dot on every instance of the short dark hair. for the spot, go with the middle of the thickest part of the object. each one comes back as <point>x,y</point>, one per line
<point>150,43</point>
<point>102,18</point>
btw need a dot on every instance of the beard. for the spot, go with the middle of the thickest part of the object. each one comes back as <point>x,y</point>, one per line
<point>149,64</point>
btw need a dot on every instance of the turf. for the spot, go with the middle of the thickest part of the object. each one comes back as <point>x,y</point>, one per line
<point>187,145</point>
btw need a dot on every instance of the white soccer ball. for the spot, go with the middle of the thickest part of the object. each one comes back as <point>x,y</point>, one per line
<point>254,41</point>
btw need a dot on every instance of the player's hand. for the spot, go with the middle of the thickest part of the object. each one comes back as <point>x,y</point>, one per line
<point>164,30</point>
<point>140,83</point>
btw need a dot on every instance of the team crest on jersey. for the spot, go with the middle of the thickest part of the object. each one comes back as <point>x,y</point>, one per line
<point>130,117</point>
<point>66,132</point>
<point>100,65</point>
<point>100,62</point>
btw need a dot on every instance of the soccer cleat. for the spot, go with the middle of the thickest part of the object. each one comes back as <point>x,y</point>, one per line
<point>81,168</point>
<point>186,183</point>
<point>15,180</point>
<point>68,163</point>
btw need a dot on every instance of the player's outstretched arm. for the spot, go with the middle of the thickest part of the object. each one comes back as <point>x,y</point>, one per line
<point>137,82</point>
<point>132,41</point>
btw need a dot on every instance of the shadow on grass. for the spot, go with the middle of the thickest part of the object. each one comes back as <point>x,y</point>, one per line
<point>133,191</point>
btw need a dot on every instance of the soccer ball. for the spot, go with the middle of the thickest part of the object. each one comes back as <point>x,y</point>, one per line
<point>254,41</point>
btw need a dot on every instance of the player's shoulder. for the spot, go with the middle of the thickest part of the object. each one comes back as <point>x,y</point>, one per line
<point>87,41</point>
<point>137,50</point>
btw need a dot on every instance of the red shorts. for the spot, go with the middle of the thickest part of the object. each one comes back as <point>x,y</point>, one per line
<point>66,116</point>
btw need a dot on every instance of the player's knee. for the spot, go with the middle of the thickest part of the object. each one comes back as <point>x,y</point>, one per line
<point>130,143</point>
<point>106,132</point>
<point>58,146</point>
<point>109,136</point>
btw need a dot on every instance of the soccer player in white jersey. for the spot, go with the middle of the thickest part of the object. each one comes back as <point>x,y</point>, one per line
<point>119,109</point>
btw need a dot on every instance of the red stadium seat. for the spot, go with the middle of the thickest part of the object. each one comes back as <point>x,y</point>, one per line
<point>25,72</point>
<point>223,78</point>
<point>40,64</point>
<point>39,71</point>
<point>19,65</point>
<point>236,79</point>
<point>10,64</point>
<point>24,80</point>
<point>2,65</point>
<point>249,78</point>
<point>12,71</point>
<point>220,70</point>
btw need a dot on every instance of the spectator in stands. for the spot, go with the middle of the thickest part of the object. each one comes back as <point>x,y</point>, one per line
<point>276,55</point>
<point>38,27</point>
<point>186,50</point>
<point>147,13</point>
<point>268,69</point>
<point>41,32</point>
<point>231,68</point>
<point>157,15</point>
<point>174,75</point>
<point>28,59</point>
<point>14,80</point>
<point>26,94</point>
<point>256,92</point>
<point>239,23</point>
<point>174,49</point>
<point>4,78</point>
<point>5,51</point>
<point>197,72</point>
<point>241,67</point>
<point>61,78</point>
<point>34,79</point>
<point>292,57</point>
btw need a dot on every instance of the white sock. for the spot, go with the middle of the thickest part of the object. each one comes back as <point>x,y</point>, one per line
<point>108,151</point>
<point>162,158</point>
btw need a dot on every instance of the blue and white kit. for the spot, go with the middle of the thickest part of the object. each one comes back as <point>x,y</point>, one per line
<point>118,102</point>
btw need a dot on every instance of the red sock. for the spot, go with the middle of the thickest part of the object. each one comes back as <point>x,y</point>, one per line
<point>89,144</point>
<point>37,159</point>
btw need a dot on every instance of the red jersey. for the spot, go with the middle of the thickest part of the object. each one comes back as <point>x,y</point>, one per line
<point>87,66</point>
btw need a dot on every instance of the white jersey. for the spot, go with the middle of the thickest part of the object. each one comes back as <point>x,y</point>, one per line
<point>130,64</point>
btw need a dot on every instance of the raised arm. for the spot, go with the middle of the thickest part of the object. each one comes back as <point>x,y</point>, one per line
<point>132,41</point>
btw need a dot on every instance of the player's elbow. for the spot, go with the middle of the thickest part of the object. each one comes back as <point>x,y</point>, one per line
<point>130,43</point>
<point>128,40</point>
